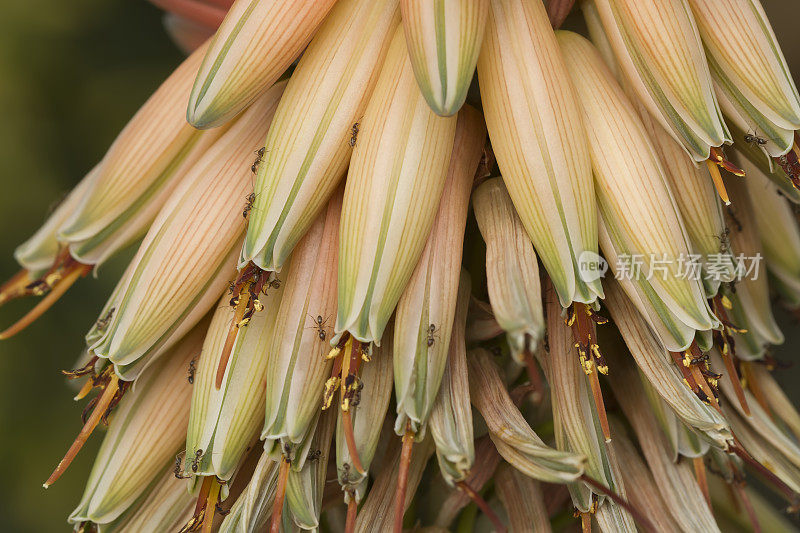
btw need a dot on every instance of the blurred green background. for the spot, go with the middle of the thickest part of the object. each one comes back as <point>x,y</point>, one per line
<point>71,74</point>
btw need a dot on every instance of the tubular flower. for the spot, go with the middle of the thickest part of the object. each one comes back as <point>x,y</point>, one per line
<point>444,38</point>
<point>316,126</point>
<point>425,312</point>
<point>640,220</point>
<point>383,275</point>
<point>752,80</point>
<point>659,52</point>
<point>177,244</point>
<point>396,178</point>
<point>255,43</point>
<point>538,136</point>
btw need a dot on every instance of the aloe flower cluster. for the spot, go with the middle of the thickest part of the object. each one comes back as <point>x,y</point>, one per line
<point>432,264</point>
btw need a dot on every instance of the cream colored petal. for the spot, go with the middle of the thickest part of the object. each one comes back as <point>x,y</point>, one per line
<point>425,311</point>
<point>146,430</point>
<point>296,365</point>
<point>310,141</point>
<point>658,49</point>
<point>538,136</point>
<point>451,414</point>
<point>742,50</point>
<point>512,271</point>
<point>253,46</point>
<point>522,498</point>
<point>178,261</point>
<point>635,202</point>
<point>444,38</point>
<point>252,509</point>
<point>396,177</point>
<point>225,420</point>
<point>141,159</point>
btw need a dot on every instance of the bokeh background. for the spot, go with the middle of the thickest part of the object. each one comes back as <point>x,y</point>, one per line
<point>71,74</point>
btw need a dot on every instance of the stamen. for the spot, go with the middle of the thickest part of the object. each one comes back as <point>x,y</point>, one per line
<point>583,320</point>
<point>787,492</point>
<point>71,274</point>
<point>350,359</point>
<point>719,185</point>
<point>586,522</point>
<point>483,506</point>
<point>402,479</point>
<point>230,341</point>
<point>755,387</point>
<point>86,389</point>
<point>211,505</point>
<point>280,494</point>
<point>99,412</point>
<point>728,352</point>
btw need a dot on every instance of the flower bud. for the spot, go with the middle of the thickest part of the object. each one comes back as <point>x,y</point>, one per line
<point>444,39</point>
<point>396,177</point>
<point>512,271</point>
<point>749,69</point>
<point>316,126</point>
<point>140,162</point>
<point>180,269</point>
<point>512,436</point>
<point>225,420</point>
<point>296,363</point>
<point>660,54</point>
<point>146,430</point>
<point>639,219</point>
<point>425,312</point>
<point>538,136</point>
<point>451,414</point>
<point>253,46</point>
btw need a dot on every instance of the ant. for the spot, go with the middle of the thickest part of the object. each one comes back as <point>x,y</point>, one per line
<point>753,138</point>
<point>432,334</point>
<point>354,133</point>
<point>251,198</point>
<point>260,154</point>
<point>102,323</point>
<point>314,455</point>
<point>196,461</point>
<point>734,218</point>
<point>177,470</point>
<point>192,369</point>
<point>319,326</point>
<point>724,239</point>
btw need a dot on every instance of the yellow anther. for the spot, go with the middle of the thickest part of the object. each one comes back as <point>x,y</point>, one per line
<point>334,353</point>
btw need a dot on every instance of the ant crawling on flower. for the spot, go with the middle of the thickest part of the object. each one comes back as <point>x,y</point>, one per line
<point>192,370</point>
<point>354,133</point>
<point>196,461</point>
<point>177,470</point>
<point>753,138</point>
<point>724,239</point>
<point>314,455</point>
<point>251,198</point>
<point>102,323</point>
<point>260,154</point>
<point>432,334</point>
<point>319,325</point>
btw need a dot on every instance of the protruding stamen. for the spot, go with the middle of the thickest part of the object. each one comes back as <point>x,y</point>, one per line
<point>749,378</point>
<point>99,412</point>
<point>211,505</point>
<point>402,479</point>
<point>86,389</point>
<point>483,506</point>
<point>718,157</point>
<point>586,522</point>
<point>230,341</point>
<point>728,351</point>
<point>71,274</point>
<point>719,185</point>
<point>280,494</point>
<point>582,319</point>
<point>786,491</point>
<point>350,363</point>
